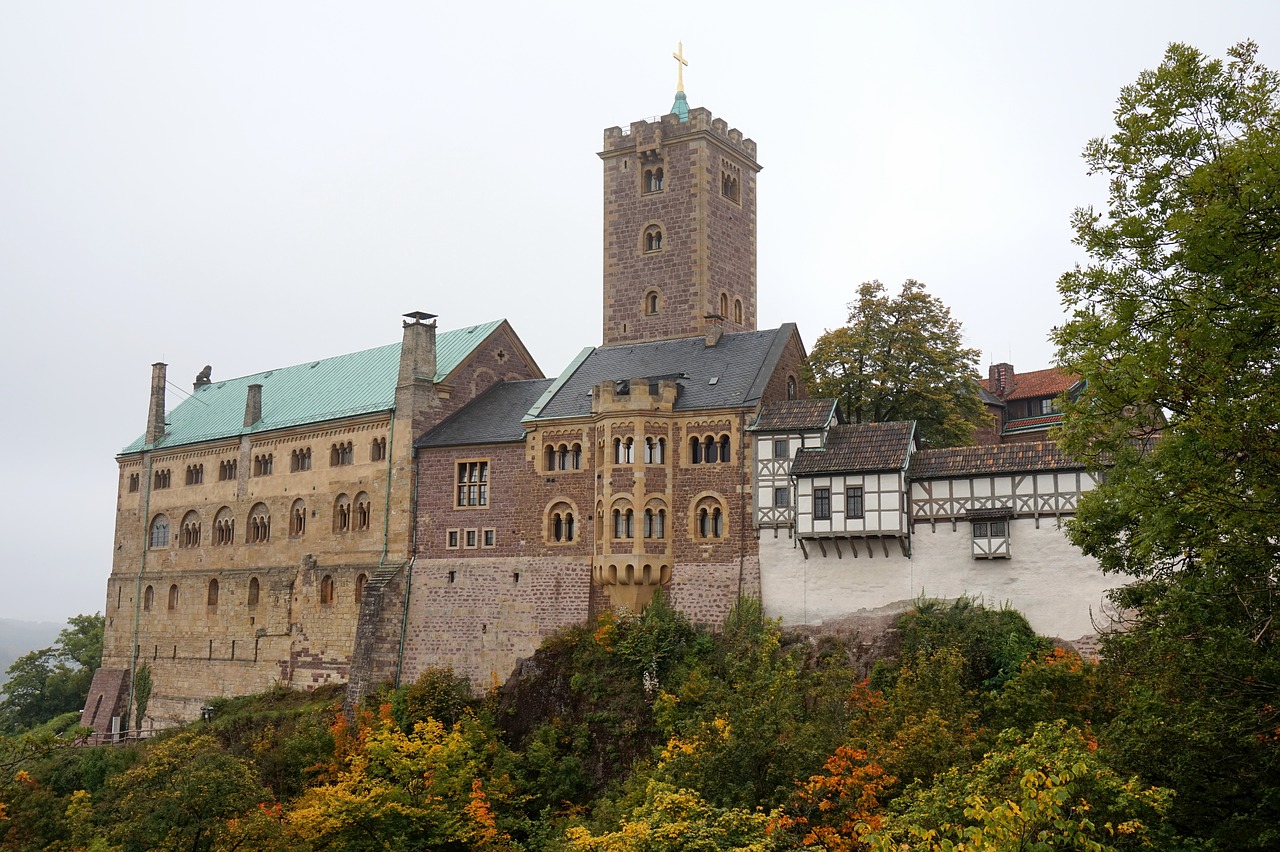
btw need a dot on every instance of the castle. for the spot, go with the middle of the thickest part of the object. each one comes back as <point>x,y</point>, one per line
<point>439,502</point>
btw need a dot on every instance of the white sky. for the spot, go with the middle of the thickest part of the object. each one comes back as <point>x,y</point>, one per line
<point>253,185</point>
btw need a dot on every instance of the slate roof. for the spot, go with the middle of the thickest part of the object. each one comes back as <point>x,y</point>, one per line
<point>991,458</point>
<point>858,447</point>
<point>1050,382</point>
<point>491,418</point>
<point>740,365</point>
<point>342,386</point>
<point>794,415</point>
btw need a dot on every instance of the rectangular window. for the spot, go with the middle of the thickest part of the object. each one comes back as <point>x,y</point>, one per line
<point>998,529</point>
<point>781,498</point>
<point>490,537</point>
<point>781,448</point>
<point>979,530</point>
<point>853,502</point>
<point>471,538</point>
<point>1048,406</point>
<point>822,504</point>
<point>452,539</point>
<point>473,483</point>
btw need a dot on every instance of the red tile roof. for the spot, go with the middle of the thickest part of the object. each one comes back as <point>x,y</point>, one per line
<point>991,458</point>
<point>1050,382</point>
<point>794,415</point>
<point>857,447</point>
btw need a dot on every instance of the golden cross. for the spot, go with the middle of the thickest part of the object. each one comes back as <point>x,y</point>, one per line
<point>678,56</point>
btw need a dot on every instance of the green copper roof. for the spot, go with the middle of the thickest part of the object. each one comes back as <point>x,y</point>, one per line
<point>681,106</point>
<point>343,386</point>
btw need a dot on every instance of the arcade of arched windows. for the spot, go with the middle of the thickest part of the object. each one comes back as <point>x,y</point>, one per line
<point>363,511</point>
<point>341,454</point>
<point>709,449</point>
<point>224,527</point>
<point>342,514</point>
<point>189,535</point>
<point>561,523</point>
<point>624,450</point>
<point>707,518</point>
<point>300,460</point>
<point>298,518</point>
<point>259,524</point>
<point>563,456</point>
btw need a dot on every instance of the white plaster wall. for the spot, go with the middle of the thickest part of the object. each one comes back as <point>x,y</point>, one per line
<point>1059,590</point>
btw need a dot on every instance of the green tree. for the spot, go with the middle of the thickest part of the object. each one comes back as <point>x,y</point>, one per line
<point>901,358</point>
<point>48,682</point>
<point>1175,328</point>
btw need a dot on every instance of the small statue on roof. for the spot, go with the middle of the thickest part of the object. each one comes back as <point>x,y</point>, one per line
<point>202,377</point>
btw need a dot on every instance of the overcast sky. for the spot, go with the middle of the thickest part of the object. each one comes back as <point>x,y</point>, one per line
<point>253,185</point>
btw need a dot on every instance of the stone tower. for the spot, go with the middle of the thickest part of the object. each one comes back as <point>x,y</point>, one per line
<point>679,227</point>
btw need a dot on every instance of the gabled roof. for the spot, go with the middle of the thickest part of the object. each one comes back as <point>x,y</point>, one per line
<point>859,447</point>
<point>1050,382</point>
<point>731,374</point>
<point>990,458</point>
<point>341,386</point>
<point>796,415</point>
<point>491,418</point>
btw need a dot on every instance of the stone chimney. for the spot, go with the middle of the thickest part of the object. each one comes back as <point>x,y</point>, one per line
<point>415,385</point>
<point>714,329</point>
<point>253,405</point>
<point>155,411</point>
<point>1000,377</point>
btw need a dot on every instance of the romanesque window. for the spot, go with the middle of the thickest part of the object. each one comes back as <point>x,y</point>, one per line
<point>655,450</point>
<point>695,450</point>
<point>133,482</point>
<point>213,593</point>
<point>724,448</point>
<point>263,464</point>
<point>326,589</point>
<point>259,524</point>
<point>298,518</point>
<point>708,449</point>
<point>822,504</point>
<point>724,305</point>
<point>560,523</point>
<point>159,531</point>
<point>624,450</point>
<point>254,590</point>
<point>189,534</point>
<point>737,311</point>
<point>300,460</point>
<point>226,470</point>
<point>781,498</point>
<point>730,187</point>
<point>624,523</point>
<point>163,478</point>
<point>791,387</point>
<point>148,598</point>
<point>341,454</point>
<point>653,179</point>
<point>710,521</point>
<point>195,474</point>
<point>173,596</point>
<point>378,449</point>
<point>853,502</point>
<point>342,514</point>
<point>224,527</point>
<point>363,511</point>
<point>651,302</point>
<point>564,457</point>
<point>361,579</point>
<point>652,238</point>
<point>473,483</point>
<point>655,523</point>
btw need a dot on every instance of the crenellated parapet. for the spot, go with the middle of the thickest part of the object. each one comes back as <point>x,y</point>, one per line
<point>647,135</point>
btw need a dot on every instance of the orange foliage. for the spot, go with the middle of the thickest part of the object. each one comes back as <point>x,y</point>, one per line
<point>841,806</point>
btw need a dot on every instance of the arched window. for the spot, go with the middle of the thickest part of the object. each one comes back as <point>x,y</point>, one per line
<point>341,454</point>
<point>710,453</point>
<point>791,387</point>
<point>624,523</point>
<point>652,238</point>
<point>148,598</point>
<point>655,450</point>
<point>259,524</point>
<point>737,311</point>
<point>189,534</point>
<point>708,521</point>
<point>551,457</point>
<point>224,527</point>
<point>326,589</point>
<point>617,523</point>
<point>363,511</point>
<point>378,449</point>
<point>298,518</point>
<point>724,448</point>
<point>651,302</point>
<point>361,579</point>
<point>562,457</point>
<point>173,596</point>
<point>717,522</point>
<point>704,523</point>
<point>653,180</point>
<point>695,450</point>
<point>213,593</point>
<point>159,531</point>
<point>575,456</point>
<point>253,591</point>
<point>724,305</point>
<point>342,514</point>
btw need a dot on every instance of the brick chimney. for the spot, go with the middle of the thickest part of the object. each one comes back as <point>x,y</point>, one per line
<point>714,328</point>
<point>1000,377</point>
<point>253,405</point>
<point>155,411</point>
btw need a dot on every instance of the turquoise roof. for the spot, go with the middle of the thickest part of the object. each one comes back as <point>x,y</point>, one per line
<point>681,106</point>
<point>343,386</point>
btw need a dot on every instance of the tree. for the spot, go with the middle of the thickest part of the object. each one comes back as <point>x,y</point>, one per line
<point>48,682</point>
<point>1175,328</point>
<point>901,358</point>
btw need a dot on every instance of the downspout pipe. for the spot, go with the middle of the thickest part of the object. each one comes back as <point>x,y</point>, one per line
<point>413,557</point>
<point>742,498</point>
<point>137,592</point>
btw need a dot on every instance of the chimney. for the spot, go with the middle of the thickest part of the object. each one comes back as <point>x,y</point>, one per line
<point>1000,377</point>
<point>253,405</point>
<point>416,382</point>
<point>714,328</point>
<point>155,412</point>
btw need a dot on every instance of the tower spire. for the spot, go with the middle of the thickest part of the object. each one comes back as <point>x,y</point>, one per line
<point>681,105</point>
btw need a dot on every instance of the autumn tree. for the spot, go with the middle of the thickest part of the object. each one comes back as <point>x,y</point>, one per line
<point>901,357</point>
<point>1175,329</point>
